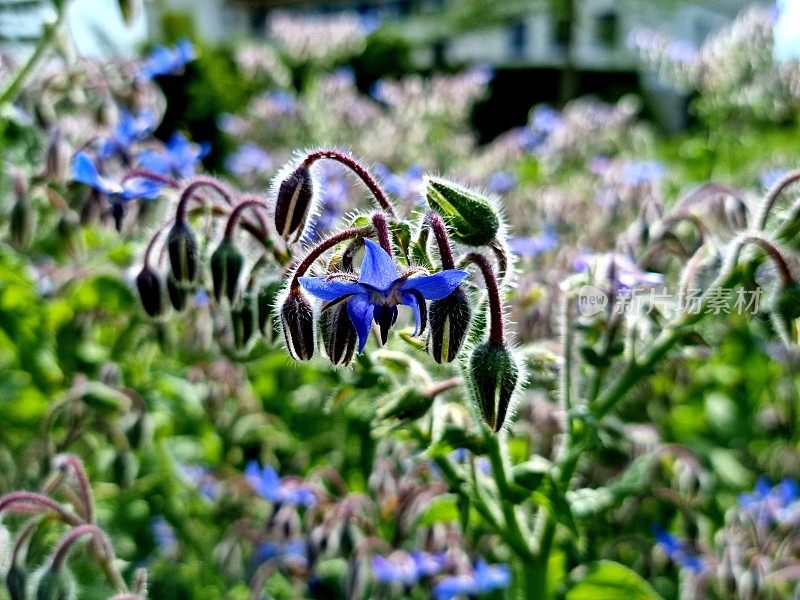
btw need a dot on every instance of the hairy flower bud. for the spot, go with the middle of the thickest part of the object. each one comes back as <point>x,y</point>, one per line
<point>293,203</point>
<point>177,293</point>
<point>492,376</point>
<point>786,301</point>
<point>226,266</point>
<point>243,321</point>
<point>265,308</point>
<point>151,291</point>
<point>57,156</point>
<point>471,217</point>
<point>338,334</point>
<point>297,319</point>
<point>449,320</point>
<point>182,248</point>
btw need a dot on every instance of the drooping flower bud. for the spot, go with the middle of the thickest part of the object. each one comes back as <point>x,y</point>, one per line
<point>55,584</point>
<point>22,222</point>
<point>68,229</point>
<point>786,301</point>
<point>470,217</point>
<point>16,580</point>
<point>293,203</point>
<point>57,156</point>
<point>151,291</point>
<point>297,319</point>
<point>338,334</point>
<point>124,468</point>
<point>226,266</point>
<point>177,293</point>
<point>265,309</point>
<point>182,248</point>
<point>243,321</point>
<point>449,320</point>
<point>492,375</point>
<point>408,403</point>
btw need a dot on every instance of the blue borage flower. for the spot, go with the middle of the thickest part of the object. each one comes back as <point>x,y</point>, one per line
<point>406,569</point>
<point>485,578</point>
<point>768,504</point>
<point>129,130</point>
<point>168,61</point>
<point>293,551</point>
<point>84,170</point>
<point>163,534</point>
<point>266,482</point>
<point>248,160</point>
<point>180,158</point>
<point>380,289</point>
<point>677,551</point>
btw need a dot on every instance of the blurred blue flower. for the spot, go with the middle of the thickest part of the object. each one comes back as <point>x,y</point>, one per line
<point>168,61</point>
<point>249,159</point>
<point>84,170</point>
<point>769,178</point>
<point>405,185</point>
<point>179,160</point>
<point>294,550</point>
<point>628,275</point>
<point>501,182</point>
<point>681,51</point>
<point>677,551</point>
<point>380,289</point>
<point>404,568</point>
<point>164,534</point>
<point>534,245</point>
<point>642,172</point>
<point>128,131</point>
<point>283,101</point>
<point>266,482</point>
<point>545,119</point>
<point>201,478</point>
<point>484,579</point>
<point>768,504</point>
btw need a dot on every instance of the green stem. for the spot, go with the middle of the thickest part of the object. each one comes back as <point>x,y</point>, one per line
<point>15,86</point>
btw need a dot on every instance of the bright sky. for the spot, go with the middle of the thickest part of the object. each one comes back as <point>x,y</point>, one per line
<point>98,29</point>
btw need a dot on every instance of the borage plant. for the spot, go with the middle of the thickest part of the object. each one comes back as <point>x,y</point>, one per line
<point>540,504</point>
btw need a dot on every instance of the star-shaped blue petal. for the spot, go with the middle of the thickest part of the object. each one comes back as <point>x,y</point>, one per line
<point>379,289</point>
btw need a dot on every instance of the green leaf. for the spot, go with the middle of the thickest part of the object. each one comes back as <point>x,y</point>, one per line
<point>609,579</point>
<point>442,510</point>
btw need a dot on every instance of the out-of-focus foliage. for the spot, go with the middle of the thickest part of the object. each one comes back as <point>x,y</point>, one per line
<point>649,455</point>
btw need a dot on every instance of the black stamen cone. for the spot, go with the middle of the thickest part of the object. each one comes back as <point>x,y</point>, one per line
<point>385,317</point>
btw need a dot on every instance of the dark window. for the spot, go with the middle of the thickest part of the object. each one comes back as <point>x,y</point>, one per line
<point>607,29</point>
<point>517,39</point>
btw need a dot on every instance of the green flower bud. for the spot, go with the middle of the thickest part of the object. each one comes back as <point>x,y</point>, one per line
<point>151,291</point>
<point>182,248</point>
<point>265,307</point>
<point>338,334</point>
<point>55,585</point>
<point>226,266</point>
<point>243,321</point>
<point>449,320</point>
<point>177,293</point>
<point>297,319</point>
<point>68,230</point>
<point>293,203</point>
<point>492,375</point>
<point>471,217</point>
<point>406,404</point>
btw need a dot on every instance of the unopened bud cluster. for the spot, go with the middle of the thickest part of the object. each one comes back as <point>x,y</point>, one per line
<point>328,298</point>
